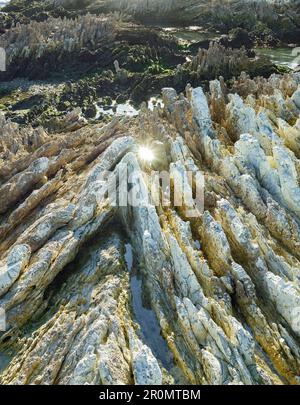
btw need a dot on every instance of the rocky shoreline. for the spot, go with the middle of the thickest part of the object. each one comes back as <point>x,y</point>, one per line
<point>74,54</point>
<point>107,59</point>
<point>267,21</point>
<point>222,286</point>
<point>101,293</point>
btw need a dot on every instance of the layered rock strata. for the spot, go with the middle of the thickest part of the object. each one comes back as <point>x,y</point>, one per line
<point>79,275</point>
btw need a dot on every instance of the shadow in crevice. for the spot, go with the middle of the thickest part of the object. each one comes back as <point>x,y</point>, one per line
<point>145,317</point>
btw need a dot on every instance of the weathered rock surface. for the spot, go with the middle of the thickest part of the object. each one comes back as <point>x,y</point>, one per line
<point>221,286</point>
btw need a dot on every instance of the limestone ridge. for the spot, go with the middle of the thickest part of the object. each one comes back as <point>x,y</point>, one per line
<point>224,287</point>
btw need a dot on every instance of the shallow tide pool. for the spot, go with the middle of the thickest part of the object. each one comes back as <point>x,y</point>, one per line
<point>281,56</point>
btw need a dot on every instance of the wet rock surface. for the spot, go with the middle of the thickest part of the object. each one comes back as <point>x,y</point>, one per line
<point>222,286</point>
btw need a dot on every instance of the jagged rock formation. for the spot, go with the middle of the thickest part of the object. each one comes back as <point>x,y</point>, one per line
<point>182,10</point>
<point>224,285</point>
<point>218,60</point>
<point>56,36</point>
<point>268,21</point>
<point>15,139</point>
<point>263,17</point>
<point>146,61</point>
<point>78,64</point>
